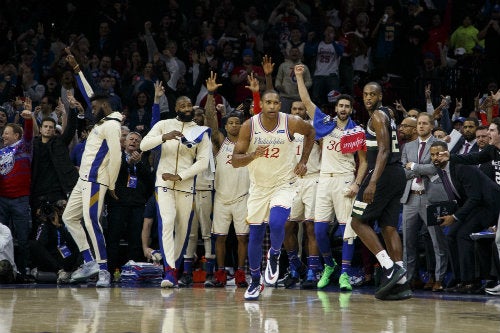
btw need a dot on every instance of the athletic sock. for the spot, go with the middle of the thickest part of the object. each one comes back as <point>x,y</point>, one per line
<point>277,219</point>
<point>322,238</point>
<point>384,259</point>
<point>256,236</point>
<point>347,254</point>
<point>294,260</point>
<point>188,265</point>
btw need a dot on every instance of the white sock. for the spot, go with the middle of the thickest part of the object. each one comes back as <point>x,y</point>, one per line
<point>384,259</point>
<point>403,279</point>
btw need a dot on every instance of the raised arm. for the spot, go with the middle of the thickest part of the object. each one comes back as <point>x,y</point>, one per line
<point>268,67</point>
<point>304,94</point>
<point>211,113</point>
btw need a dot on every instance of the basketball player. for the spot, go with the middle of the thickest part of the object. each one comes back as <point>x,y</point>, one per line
<point>303,211</point>
<point>98,173</point>
<point>181,159</point>
<point>265,145</point>
<point>339,180</point>
<point>231,191</point>
<point>379,196</point>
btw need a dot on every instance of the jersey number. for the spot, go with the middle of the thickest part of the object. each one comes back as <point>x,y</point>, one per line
<point>333,145</point>
<point>272,153</point>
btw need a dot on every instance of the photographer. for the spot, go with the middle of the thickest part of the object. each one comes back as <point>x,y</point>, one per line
<point>54,253</point>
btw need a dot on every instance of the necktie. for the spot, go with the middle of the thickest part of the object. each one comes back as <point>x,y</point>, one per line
<point>420,153</point>
<point>466,150</point>
<point>447,186</point>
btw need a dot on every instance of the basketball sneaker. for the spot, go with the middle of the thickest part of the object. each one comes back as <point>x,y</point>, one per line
<point>240,279</point>
<point>185,281</point>
<point>85,271</point>
<point>104,280</point>
<point>272,268</point>
<point>290,279</point>
<point>397,293</point>
<point>169,281</point>
<point>493,291</point>
<point>345,282</point>
<point>254,289</point>
<point>219,279</point>
<point>326,275</point>
<point>311,280</point>
<point>388,279</point>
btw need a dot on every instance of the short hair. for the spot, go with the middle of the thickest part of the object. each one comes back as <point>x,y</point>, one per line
<point>473,119</point>
<point>434,130</point>
<point>425,114</point>
<point>376,84</point>
<point>496,121</point>
<point>16,128</point>
<point>439,143</point>
<point>235,114</point>
<point>481,127</point>
<point>49,119</point>
<point>346,97</point>
<point>180,98</point>
<point>133,132</point>
<point>269,91</point>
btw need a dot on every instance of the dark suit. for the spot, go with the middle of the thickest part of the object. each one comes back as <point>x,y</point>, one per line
<point>478,209</point>
<point>415,213</point>
<point>460,143</point>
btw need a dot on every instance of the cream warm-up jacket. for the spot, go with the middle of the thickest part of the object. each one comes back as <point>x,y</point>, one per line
<point>177,158</point>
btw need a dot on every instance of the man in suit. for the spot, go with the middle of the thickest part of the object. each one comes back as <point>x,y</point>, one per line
<point>478,198</point>
<point>418,168</point>
<point>467,143</point>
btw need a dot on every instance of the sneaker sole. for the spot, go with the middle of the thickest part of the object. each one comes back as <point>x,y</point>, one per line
<point>167,284</point>
<point>405,294</point>
<point>383,291</point>
<point>254,298</point>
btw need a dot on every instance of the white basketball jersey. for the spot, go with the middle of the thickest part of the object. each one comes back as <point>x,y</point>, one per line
<point>332,159</point>
<point>230,183</point>
<point>314,161</point>
<point>277,165</point>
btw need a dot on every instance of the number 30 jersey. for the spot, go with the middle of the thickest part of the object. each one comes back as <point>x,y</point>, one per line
<point>332,159</point>
<point>277,165</point>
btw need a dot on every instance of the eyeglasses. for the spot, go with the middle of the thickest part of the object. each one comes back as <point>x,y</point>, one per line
<point>405,126</point>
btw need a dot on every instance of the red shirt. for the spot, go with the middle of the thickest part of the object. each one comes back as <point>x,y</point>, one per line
<point>15,165</point>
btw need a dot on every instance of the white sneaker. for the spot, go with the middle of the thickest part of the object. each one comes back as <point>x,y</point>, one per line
<point>85,271</point>
<point>104,279</point>
<point>254,289</point>
<point>493,291</point>
<point>272,268</point>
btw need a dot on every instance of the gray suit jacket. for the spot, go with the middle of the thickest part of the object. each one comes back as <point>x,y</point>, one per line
<point>424,169</point>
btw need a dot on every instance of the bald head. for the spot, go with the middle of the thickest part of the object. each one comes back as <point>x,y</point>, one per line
<point>408,129</point>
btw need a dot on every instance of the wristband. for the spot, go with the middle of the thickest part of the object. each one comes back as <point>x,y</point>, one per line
<point>210,92</point>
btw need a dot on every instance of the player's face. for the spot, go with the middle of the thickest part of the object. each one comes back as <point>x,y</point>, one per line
<point>424,126</point>
<point>270,105</point>
<point>494,135</point>
<point>298,109</point>
<point>482,138</point>
<point>199,119</point>
<point>440,135</point>
<point>371,97</point>
<point>434,156</point>
<point>343,109</point>
<point>233,126</point>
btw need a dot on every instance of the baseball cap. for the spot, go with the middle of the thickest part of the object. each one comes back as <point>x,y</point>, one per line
<point>459,120</point>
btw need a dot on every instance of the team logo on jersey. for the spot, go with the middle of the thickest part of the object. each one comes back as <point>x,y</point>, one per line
<point>281,131</point>
<point>7,160</point>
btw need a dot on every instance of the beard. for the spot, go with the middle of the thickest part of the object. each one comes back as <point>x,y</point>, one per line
<point>185,117</point>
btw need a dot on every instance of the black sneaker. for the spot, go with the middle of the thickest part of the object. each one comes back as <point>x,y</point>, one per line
<point>398,292</point>
<point>185,281</point>
<point>388,279</point>
<point>290,279</point>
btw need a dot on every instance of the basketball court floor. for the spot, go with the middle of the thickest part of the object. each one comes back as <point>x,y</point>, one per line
<point>83,308</point>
